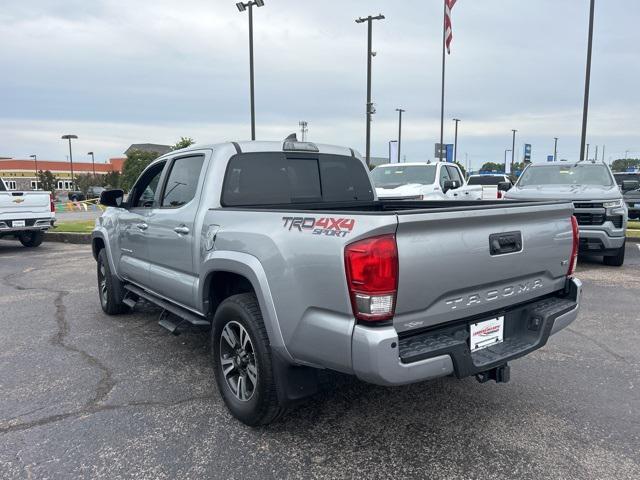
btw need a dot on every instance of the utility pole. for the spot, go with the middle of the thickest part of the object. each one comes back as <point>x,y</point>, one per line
<point>555,150</point>
<point>400,112</point>
<point>304,128</point>
<point>513,150</point>
<point>587,84</point>
<point>587,152</point>
<point>370,55</point>
<point>242,7</point>
<point>455,141</point>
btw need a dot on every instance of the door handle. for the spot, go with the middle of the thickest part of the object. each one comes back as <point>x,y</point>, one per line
<point>181,230</point>
<point>142,226</point>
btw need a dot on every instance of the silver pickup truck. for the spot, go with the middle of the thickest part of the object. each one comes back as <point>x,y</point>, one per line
<point>285,253</point>
<point>599,207</point>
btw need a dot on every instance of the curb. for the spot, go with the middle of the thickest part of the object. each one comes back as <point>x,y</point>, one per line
<point>74,238</point>
<point>633,239</point>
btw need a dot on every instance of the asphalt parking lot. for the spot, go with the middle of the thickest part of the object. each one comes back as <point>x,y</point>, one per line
<point>90,396</point>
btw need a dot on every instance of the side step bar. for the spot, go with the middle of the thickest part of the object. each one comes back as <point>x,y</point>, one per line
<point>184,314</point>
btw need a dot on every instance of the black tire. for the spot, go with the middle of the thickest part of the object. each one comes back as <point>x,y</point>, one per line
<point>31,239</point>
<point>110,289</point>
<point>262,406</point>
<point>616,260</point>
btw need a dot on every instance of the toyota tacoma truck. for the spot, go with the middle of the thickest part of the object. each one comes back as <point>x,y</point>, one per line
<point>599,207</point>
<point>25,215</point>
<point>284,253</point>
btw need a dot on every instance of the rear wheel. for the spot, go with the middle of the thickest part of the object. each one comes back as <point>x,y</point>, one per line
<point>241,357</point>
<point>616,260</point>
<point>31,239</point>
<point>110,289</point>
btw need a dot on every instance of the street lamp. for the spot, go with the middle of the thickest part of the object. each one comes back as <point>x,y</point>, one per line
<point>513,151</point>
<point>35,159</point>
<point>242,7</point>
<point>71,137</point>
<point>370,55</point>
<point>587,83</point>
<point>455,142</point>
<point>505,159</point>
<point>400,112</point>
<point>93,163</point>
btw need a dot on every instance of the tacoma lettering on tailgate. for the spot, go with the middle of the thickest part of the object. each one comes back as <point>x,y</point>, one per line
<point>493,295</point>
<point>330,227</point>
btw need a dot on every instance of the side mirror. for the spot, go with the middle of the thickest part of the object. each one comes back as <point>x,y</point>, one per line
<point>630,185</point>
<point>112,198</point>
<point>504,186</point>
<point>450,185</point>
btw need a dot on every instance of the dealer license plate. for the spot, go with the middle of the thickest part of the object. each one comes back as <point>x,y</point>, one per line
<point>487,333</point>
<point>18,223</point>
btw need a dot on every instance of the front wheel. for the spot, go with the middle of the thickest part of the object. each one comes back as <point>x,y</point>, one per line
<point>241,357</point>
<point>31,239</point>
<point>616,260</point>
<point>110,288</point>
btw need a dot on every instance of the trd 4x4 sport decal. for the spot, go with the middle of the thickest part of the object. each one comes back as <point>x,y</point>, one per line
<point>331,227</point>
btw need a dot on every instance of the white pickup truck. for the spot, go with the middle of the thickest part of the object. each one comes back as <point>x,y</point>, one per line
<point>25,215</point>
<point>487,185</point>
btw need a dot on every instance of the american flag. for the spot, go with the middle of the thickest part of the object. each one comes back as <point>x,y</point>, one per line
<point>447,23</point>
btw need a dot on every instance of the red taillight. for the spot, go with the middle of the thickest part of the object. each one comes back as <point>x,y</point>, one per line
<point>372,277</point>
<point>499,196</point>
<point>52,204</point>
<point>573,261</point>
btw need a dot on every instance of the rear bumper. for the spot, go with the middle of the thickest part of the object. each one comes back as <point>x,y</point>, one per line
<point>7,227</point>
<point>380,357</point>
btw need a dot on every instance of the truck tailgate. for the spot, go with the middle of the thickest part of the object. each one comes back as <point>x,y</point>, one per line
<point>17,204</point>
<point>448,271</point>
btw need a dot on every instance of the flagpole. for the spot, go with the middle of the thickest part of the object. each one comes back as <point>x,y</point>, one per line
<point>444,39</point>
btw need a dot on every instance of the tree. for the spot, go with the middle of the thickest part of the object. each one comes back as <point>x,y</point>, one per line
<point>623,164</point>
<point>111,180</point>
<point>184,142</point>
<point>136,162</point>
<point>83,182</point>
<point>47,181</point>
<point>462,169</point>
<point>493,167</point>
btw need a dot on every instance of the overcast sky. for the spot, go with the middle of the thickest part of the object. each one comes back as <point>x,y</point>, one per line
<point>117,72</point>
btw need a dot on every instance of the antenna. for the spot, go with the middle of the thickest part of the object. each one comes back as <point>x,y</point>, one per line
<point>304,128</point>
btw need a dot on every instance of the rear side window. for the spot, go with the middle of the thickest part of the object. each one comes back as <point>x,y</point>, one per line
<point>182,182</point>
<point>276,178</point>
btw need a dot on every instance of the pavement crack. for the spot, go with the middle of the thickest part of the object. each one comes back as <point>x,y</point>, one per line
<point>59,338</point>
<point>615,355</point>
<point>93,409</point>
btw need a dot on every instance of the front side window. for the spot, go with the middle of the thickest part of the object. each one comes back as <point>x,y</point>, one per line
<point>398,175</point>
<point>455,174</point>
<point>143,193</point>
<point>182,182</point>
<point>578,174</point>
<point>444,176</point>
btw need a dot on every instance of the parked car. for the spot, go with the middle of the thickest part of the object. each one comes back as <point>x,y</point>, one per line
<point>422,181</point>
<point>599,207</point>
<point>25,215</point>
<point>77,196</point>
<point>629,184</point>
<point>284,252</point>
<point>94,192</point>
<point>487,185</point>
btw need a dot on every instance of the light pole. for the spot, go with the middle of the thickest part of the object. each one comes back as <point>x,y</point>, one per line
<point>400,112</point>
<point>555,150</point>
<point>587,83</point>
<point>242,7</point>
<point>513,150</point>
<point>370,55</point>
<point>505,159</point>
<point>93,163</point>
<point>455,141</point>
<point>35,159</point>
<point>587,152</point>
<point>597,153</point>
<point>71,137</point>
